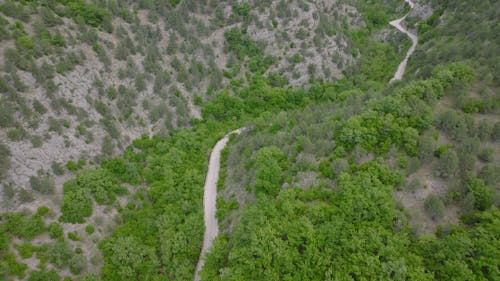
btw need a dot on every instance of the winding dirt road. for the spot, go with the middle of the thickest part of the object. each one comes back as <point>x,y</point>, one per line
<point>414,41</point>
<point>210,200</point>
<point>210,189</point>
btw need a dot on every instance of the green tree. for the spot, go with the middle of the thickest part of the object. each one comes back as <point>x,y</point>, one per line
<point>268,170</point>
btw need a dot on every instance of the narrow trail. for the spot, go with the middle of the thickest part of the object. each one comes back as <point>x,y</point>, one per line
<point>210,200</point>
<point>210,189</point>
<point>414,41</point>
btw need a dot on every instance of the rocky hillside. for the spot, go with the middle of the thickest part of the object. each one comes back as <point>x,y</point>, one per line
<point>109,111</point>
<point>80,79</point>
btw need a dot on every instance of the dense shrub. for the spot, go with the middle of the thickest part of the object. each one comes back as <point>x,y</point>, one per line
<point>23,226</point>
<point>76,204</point>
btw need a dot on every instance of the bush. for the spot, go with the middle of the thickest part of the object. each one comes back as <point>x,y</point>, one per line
<point>25,250</point>
<point>241,44</point>
<point>55,230</point>
<point>468,203</point>
<point>12,266</point>
<point>448,164</point>
<point>76,203</point>
<point>487,154</point>
<point>495,134</point>
<point>414,185</point>
<point>77,264</point>
<point>4,160</point>
<point>24,227</point>
<point>490,174</point>
<point>8,192</point>
<point>100,183</point>
<point>434,207</point>
<point>42,184</point>
<point>59,253</point>
<point>268,170</point>
<point>91,277</point>
<point>89,229</point>
<point>44,275</point>
<point>25,196</point>
<point>453,124</point>
<point>43,211</point>
<point>339,166</point>
<point>36,141</point>
<point>17,134</point>
<point>127,258</point>
<point>6,113</point>
<point>57,168</point>
<point>426,147</point>
<point>11,9</point>
<point>73,236</point>
<point>55,125</point>
<point>72,166</point>
<point>49,18</point>
<point>91,14</point>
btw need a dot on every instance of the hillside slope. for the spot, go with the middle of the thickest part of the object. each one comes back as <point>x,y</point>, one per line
<point>80,80</point>
<point>339,175</point>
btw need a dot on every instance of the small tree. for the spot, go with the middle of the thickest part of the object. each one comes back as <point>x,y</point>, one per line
<point>483,194</point>
<point>448,164</point>
<point>434,207</point>
<point>268,170</point>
